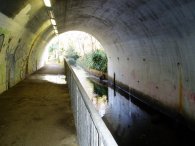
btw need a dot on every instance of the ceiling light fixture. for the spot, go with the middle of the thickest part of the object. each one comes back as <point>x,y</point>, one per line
<point>51,14</point>
<point>47,3</point>
<point>56,31</point>
<point>53,22</point>
<point>55,27</point>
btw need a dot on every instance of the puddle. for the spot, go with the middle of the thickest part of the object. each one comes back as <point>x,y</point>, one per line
<point>100,98</point>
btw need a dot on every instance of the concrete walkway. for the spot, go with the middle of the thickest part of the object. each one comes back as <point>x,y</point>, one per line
<point>36,112</point>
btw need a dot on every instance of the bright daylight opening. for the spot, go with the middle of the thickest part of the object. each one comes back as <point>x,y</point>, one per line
<point>86,56</point>
<point>79,48</point>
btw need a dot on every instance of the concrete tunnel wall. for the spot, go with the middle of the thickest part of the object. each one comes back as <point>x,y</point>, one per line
<point>20,40</point>
<point>149,43</point>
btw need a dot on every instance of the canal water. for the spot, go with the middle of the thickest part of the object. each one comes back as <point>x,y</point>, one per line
<point>133,123</point>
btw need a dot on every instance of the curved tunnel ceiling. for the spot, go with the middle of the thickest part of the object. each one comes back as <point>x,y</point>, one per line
<point>150,43</point>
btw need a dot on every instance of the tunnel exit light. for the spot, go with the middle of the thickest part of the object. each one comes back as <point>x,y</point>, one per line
<point>53,22</point>
<point>47,3</point>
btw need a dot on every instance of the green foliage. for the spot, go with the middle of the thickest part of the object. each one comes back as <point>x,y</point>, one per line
<point>99,61</point>
<point>51,49</point>
<point>71,53</point>
<point>100,90</point>
<point>95,60</point>
<point>4,31</point>
<point>86,60</point>
<point>72,61</point>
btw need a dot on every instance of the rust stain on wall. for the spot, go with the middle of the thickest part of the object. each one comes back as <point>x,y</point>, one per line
<point>180,89</point>
<point>192,97</point>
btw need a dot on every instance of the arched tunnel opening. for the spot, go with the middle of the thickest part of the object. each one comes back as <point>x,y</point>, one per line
<point>149,45</point>
<point>79,47</point>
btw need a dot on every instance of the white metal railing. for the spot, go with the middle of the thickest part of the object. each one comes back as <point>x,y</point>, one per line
<point>91,130</point>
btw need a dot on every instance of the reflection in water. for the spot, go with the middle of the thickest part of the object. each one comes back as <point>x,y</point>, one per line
<point>100,103</point>
<point>99,89</point>
<point>57,79</point>
<point>124,118</point>
<point>99,98</point>
<point>132,123</point>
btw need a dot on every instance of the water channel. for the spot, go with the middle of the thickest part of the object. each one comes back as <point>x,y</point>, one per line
<point>131,122</point>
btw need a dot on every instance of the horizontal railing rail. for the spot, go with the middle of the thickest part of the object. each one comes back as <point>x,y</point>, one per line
<point>91,130</point>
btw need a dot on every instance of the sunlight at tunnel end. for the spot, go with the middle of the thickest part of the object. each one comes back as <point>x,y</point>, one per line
<point>80,42</point>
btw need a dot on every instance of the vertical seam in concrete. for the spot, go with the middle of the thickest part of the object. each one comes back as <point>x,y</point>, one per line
<point>180,90</point>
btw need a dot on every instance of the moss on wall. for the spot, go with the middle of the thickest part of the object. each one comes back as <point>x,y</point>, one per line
<point>4,31</point>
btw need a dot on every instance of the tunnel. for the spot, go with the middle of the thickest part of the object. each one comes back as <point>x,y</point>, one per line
<point>149,44</point>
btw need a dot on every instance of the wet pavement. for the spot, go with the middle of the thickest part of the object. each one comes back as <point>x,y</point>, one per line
<point>131,122</point>
<point>36,112</point>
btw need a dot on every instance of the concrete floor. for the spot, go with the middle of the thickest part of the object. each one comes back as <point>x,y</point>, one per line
<point>36,112</point>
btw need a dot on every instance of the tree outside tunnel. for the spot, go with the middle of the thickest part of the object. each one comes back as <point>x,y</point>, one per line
<point>79,48</point>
